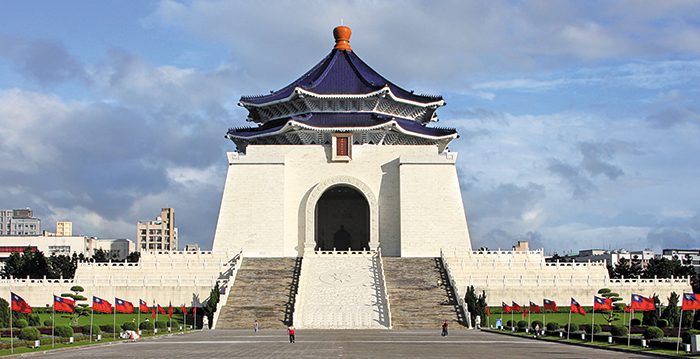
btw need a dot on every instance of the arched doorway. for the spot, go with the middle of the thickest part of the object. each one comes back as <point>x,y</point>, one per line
<point>342,220</point>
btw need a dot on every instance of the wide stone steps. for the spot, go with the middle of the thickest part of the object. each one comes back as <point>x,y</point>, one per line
<point>415,298</point>
<point>264,290</point>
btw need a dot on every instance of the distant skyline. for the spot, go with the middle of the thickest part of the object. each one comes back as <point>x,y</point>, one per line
<point>579,121</point>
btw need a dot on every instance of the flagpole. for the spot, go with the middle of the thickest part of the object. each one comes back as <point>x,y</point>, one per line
<point>512,321</point>
<point>12,342</point>
<point>138,325</point>
<point>53,322</point>
<point>680,321</point>
<point>529,318</point>
<point>629,331</point>
<point>114,328</point>
<point>92,314</point>
<point>568,329</point>
<point>593,322</point>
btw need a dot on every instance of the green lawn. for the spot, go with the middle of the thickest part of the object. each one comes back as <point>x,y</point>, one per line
<point>103,319</point>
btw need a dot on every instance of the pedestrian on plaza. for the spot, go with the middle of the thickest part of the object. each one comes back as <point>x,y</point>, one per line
<point>255,326</point>
<point>444,329</point>
<point>290,331</point>
<point>439,283</point>
<point>537,331</point>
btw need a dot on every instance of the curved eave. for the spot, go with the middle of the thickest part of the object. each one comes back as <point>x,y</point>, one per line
<point>386,90</point>
<point>386,126</point>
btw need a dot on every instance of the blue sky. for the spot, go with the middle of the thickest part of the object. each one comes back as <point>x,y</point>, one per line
<point>578,120</point>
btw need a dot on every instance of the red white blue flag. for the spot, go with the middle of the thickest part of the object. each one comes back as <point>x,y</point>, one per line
<point>63,304</point>
<point>19,304</point>
<point>101,305</point>
<point>690,301</point>
<point>550,304</point>
<point>642,303</point>
<point>602,303</point>
<point>123,306</point>
<point>506,308</point>
<point>576,308</point>
<point>143,306</point>
<point>534,308</point>
<point>517,307</point>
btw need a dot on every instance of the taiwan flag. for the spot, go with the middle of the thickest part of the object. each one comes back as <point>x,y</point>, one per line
<point>153,314</point>
<point>63,304</point>
<point>488,312</point>
<point>628,309</point>
<point>642,303</point>
<point>534,308</point>
<point>576,308</point>
<point>602,303</point>
<point>184,309</point>
<point>161,310</point>
<point>517,307</point>
<point>19,304</point>
<point>101,305</point>
<point>123,306</point>
<point>170,311</point>
<point>506,308</point>
<point>550,304</point>
<point>690,301</point>
<point>143,307</point>
<point>524,312</point>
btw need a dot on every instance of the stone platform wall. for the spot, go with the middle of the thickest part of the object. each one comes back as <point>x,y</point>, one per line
<point>522,277</point>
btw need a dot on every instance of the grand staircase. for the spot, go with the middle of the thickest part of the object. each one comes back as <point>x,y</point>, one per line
<point>264,290</point>
<point>415,298</point>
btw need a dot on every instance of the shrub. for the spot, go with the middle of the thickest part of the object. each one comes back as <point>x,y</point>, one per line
<point>48,323</point>
<point>636,322</point>
<point>146,326</point>
<point>509,324</point>
<point>34,320</point>
<point>619,331</point>
<point>537,322</point>
<point>95,329</point>
<point>653,333</point>
<point>687,334</point>
<point>596,329</point>
<point>662,323</point>
<point>64,331</point>
<point>29,333</point>
<point>522,324</point>
<point>110,328</point>
<point>20,323</point>
<point>129,326</point>
<point>696,325</point>
<point>553,326</point>
<point>175,324</point>
<point>161,324</point>
<point>572,327</point>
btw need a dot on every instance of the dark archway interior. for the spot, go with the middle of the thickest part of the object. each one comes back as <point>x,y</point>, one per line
<point>342,220</point>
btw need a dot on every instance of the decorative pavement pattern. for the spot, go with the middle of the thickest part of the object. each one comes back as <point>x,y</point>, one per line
<point>336,344</point>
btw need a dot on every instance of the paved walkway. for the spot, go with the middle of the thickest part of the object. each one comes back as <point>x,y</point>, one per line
<point>338,343</point>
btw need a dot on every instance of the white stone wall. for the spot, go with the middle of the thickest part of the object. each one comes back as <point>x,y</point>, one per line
<point>524,276</point>
<point>263,208</point>
<point>166,277</point>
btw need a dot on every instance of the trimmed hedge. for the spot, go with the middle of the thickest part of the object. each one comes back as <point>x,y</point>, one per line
<point>636,322</point>
<point>537,322</point>
<point>553,326</point>
<point>619,331</point>
<point>572,327</point>
<point>110,328</point>
<point>146,326</point>
<point>34,321</point>
<point>662,323</point>
<point>522,324</point>
<point>29,333</point>
<point>509,324</point>
<point>129,326</point>
<point>20,323</point>
<point>64,331</point>
<point>653,333</point>
<point>48,323</point>
<point>596,329</point>
<point>161,324</point>
<point>687,334</point>
<point>95,329</point>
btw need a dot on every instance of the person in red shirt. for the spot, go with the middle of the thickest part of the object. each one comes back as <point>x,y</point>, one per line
<point>444,329</point>
<point>290,331</point>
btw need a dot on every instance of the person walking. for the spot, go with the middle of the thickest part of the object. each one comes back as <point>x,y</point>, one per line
<point>537,331</point>
<point>290,331</point>
<point>444,329</point>
<point>255,326</point>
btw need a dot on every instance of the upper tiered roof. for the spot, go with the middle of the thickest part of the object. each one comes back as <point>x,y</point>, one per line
<point>342,94</point>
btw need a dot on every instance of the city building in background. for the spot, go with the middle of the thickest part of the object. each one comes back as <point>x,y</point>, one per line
<point>66,245</point>
<point>19,222</point>
<point>610,256</point>
<point>192,248</point>
<point>64,229</point>
<point>158,235</point>
<point>693,255</point>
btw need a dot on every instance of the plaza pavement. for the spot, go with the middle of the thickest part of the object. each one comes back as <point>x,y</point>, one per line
<point>336,344</point>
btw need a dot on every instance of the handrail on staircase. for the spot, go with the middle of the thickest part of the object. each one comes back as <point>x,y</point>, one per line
<point>226,281</point>
<point>387,304</point>
<point>453,283</point>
